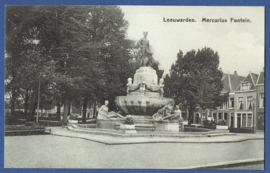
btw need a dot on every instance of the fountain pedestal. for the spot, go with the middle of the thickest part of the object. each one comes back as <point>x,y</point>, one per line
<point>166,126</point>
<point>108,123</point>
<point>127,129</point>
<point>144,98</point>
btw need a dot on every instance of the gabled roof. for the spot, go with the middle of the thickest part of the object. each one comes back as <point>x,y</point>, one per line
<point>235,81</point>
<point>260,80</point>
<point>254,78</point>
<point>231,82</point>
<point>226,84</point>
<point>224,75</point>
<point>251,78</point>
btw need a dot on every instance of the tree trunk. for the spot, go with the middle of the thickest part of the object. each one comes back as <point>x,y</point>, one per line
<point>12,107</point>
<point>87,115</point>
<point>69,108</point>
<point>94,111</point>
<point>66,103</point>
<point>26,103</point>
<point>187,118</point>
<point>12,102</point>
<point>33,107</point>
<point>58,112</point>
<point>85,100</point>
<point>190,117</point>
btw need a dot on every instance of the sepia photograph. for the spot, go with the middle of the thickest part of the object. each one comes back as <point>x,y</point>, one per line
<point>134,87</point>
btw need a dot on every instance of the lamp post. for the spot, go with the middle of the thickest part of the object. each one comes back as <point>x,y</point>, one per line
<point>253,106</point>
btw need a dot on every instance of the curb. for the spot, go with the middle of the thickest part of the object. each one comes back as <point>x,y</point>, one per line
<point>82,138</point>
<point>229,164</point>
<point>147,142</point>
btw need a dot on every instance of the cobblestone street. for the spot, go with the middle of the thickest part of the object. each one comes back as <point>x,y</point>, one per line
<point>49,151</point>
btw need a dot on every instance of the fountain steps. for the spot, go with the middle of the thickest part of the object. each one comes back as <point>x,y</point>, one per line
<point>111,132</point>
<point>138,127</point>
<point>87,125</point>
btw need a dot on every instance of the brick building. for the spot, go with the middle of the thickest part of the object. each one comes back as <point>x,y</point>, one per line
<point>226,111</point>
<point>260,101</point>
<point>245,105</point>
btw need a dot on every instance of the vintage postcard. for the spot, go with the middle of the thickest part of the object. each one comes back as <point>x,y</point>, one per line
<point>134,87</point>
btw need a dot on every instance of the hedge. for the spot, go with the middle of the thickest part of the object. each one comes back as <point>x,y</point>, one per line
<point>15,130</point>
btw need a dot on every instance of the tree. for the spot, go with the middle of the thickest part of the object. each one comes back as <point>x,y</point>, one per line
<point>24,59</point>
<point>76,54</point>
<point>32,38</point>
<point>195,80</point>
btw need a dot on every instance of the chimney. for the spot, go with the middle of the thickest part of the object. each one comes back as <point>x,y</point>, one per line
<point>235,73</point>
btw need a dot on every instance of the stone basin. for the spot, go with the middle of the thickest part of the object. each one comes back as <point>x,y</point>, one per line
<point>141,104</point>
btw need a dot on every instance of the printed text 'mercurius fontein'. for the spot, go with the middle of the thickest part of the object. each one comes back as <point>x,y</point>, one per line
<point>208,20</point>
<point>223,20</point>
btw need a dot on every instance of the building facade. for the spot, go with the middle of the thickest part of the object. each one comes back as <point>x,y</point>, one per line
<point>260,101</point>
<point>245,105</point>
<point>226,111</point>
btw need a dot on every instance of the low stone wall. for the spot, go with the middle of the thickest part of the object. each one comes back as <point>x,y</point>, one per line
<point>87,125</point>
<point>26,132</point>
<point>50,123</point>
<point>241,130</point>
<point>142,125</point>
<point>166,126</point>
<point>16,130</point>
<point>139,127</point>
<point>127,129</point>
<point>195,129</point>
<point>108,123</point>
<point>142,119</point>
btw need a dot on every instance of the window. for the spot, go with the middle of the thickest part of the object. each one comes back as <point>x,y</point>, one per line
<point>262,100</point>
<point>225,105</point>
<point>231,102</point>
<point>232,119</point>
<point>240,103</point>
<point>203,115</point>
<point>249,103</point>
<point>215,116</point>
<point>225,116</point>
<point>219,116</point>
<point>244,120</point>
<point>245,86</point>
<point>249,123</point>
<point>208,113</point>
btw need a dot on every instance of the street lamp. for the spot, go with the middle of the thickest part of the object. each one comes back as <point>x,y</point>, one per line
<point>253,106</point>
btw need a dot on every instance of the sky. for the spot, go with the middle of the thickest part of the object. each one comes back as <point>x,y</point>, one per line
<point>240,45</point>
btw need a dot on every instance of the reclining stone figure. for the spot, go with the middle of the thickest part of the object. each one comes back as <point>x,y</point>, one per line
<point>167,114</point>
<point>103,113</point>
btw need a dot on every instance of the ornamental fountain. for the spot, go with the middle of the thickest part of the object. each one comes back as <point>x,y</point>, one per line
<point>144,103</point>
<point>144,95</point>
